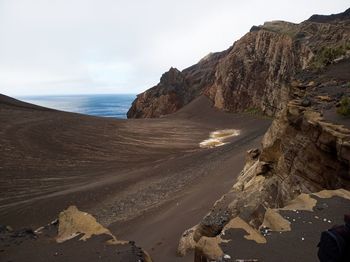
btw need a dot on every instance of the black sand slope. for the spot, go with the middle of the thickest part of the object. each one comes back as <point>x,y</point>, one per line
<point>147,179</point>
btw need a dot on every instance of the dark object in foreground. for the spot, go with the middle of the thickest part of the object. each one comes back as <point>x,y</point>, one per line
<point>334,245</point>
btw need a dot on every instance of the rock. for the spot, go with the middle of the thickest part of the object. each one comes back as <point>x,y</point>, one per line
<point>176,89</point>
<point>301,152</point>
<point>306,102</point>
<point>3,229</point>
<point>330,18</point>
<point>98,243</point>
<point>24,233</point>
<point>226,256</point>
<point>254,73</point>
<point>73,222</point>
<point>255,28</point>
<point>253,154</point>
<point>325,98</point>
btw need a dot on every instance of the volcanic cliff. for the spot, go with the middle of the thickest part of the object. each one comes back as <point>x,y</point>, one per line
<point>297,73</point>
<point>253,74</point>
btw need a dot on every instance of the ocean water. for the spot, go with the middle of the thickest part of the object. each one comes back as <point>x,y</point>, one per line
<point>96,105</point>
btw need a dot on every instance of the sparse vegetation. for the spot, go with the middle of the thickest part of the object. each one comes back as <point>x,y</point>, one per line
<point>344,108</point>
<point>326,56</point>
<point>253,111</point>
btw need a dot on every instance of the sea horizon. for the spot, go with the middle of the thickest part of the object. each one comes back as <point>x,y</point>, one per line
<point>103,105</point>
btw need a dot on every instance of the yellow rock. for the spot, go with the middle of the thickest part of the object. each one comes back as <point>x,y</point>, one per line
<point>72,222</point>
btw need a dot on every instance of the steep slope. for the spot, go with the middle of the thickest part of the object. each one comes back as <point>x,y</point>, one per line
<point>305,150</point>
<point>254,73</point>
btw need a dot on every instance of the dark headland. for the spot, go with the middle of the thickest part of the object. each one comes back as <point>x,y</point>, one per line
<point>244,155</point>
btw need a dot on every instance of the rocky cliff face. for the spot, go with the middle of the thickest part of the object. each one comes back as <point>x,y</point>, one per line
<point>176,89</point>
<point>306,150</point>
<point>252,74</point>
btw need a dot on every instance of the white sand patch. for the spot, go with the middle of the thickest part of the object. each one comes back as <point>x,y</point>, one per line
<point>217,138</point>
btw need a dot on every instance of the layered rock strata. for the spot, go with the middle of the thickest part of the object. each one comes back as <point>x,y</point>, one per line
<point>253,74</point>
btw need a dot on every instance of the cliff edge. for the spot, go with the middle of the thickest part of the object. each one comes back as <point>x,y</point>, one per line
<point>305,151</point>
<point>253,74</point>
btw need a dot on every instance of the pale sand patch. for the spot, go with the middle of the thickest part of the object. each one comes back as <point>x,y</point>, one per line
<point>217,138</point>
<point>253,234</point>
<point>331,193</point>
<point>301,202</point>
<point>275,221</point>
<point>210,246</point>
<point>73,222</point>
<point>210,143</point>
<point>225,133</point>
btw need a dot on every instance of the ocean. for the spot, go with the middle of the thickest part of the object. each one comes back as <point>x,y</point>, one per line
<point>112,105</point>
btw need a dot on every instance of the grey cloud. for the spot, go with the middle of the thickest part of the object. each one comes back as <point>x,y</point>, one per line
<point>96,46</point>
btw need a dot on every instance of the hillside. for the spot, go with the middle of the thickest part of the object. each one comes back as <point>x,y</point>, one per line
<point>255,72</point>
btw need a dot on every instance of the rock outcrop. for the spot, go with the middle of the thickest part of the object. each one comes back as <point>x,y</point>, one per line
<point>302,153</point>
<point>74,236</point>
<point>176,89</point>
<point>254,73</point>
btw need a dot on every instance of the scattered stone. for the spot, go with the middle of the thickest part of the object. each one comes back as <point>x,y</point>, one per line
<point>25,232</point>
<point>265,231</point>
<point>226,256</point>
<point>306,102</point>
<point>325,98</point>
<point>246,260</point>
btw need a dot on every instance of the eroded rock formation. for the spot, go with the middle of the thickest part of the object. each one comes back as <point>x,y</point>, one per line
<point>302,152</point>
<point>176,89</point>
<point>254,73</point>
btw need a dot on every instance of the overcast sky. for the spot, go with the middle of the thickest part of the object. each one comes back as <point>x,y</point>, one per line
<point>117,46</point>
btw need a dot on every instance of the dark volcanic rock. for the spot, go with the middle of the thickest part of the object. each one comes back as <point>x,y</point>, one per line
<point>330,18</point>
<point>176,89</point>
<point>166,97</point>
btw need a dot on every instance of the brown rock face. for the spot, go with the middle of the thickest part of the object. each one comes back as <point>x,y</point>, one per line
<point>175,89</point>
<point>302,153</point>
<point>254,73</point>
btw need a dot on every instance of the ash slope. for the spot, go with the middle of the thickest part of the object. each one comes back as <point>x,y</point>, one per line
<point>126,173</point>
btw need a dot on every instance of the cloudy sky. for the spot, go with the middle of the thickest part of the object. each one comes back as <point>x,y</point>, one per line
<point>123,46</point>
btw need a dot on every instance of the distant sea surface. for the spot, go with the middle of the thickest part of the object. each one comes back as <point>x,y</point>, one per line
<point>96,105</point>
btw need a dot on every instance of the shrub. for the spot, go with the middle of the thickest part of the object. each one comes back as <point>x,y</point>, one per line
<point>344,108</point>
<point>326,56</point>
<point>253,111</point>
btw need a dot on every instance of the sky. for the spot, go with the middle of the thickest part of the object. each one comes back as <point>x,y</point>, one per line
<point>124,46</point>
